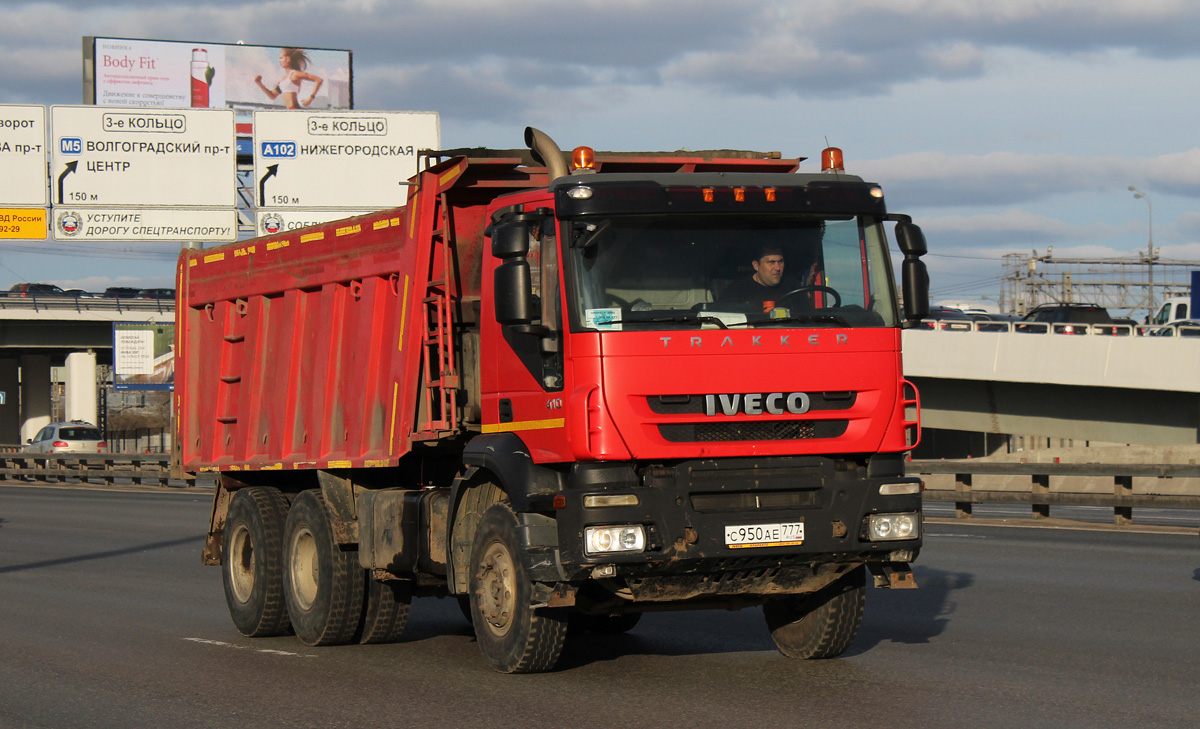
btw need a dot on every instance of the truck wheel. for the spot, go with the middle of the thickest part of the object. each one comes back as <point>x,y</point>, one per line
<point>822,624</point>
<point>513,636</point>
<point>323,583</point>
<point>252,569</point>
<point>385,614</point>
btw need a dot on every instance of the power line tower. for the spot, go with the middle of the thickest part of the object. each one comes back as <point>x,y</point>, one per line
<point>1124,286</point>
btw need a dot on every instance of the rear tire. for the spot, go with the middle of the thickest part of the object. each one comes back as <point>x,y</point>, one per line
<point>822,624</point>
<point>514,637</point>
<point>252,562</point>
<point>385,612</point>
<point>324,584</point>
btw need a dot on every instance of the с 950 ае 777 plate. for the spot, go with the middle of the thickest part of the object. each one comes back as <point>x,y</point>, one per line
<point>743,536</point>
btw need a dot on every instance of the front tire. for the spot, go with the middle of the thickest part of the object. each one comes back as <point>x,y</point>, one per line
<point>323,583</point>
<point>252,562</point>
<point>513,636</point>
<point>822,624</point>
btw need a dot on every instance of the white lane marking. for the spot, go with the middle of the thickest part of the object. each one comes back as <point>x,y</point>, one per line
<point>234,646</point>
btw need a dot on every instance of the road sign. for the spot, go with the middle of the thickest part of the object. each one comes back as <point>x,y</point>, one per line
<point>353,160</point>
<point>23,155</point>
<point>144,224</point>
<point>23,223</point>
<point>106,157</point>
<point>274,222</point>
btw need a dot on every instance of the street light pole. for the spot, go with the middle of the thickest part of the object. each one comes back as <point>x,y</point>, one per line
<point>1138,194</point>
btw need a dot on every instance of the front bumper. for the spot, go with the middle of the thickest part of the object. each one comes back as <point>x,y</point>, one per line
<point>684,508</point>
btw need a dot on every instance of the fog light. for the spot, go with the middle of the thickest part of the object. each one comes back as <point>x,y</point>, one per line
<point>886,527</point>
<point>609,539</point>
<point>595,501</point>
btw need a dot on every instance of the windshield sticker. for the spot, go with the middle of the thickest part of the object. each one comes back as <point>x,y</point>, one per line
<point>606,320</point>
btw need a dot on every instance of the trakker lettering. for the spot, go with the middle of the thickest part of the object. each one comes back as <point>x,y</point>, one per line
<point>756,403</point>
<point>785,340</point>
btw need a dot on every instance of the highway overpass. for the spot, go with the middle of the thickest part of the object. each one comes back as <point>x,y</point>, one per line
<point>37,333</point>
<point>1093,386</point>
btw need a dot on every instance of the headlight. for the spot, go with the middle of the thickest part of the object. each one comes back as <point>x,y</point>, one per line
<point>610,539</point>
<point>885,527</point>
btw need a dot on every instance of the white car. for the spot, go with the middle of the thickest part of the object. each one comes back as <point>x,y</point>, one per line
<point>74,437</point>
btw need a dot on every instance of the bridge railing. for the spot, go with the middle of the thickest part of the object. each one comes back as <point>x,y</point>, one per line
<point>1043,485</point>
<point>108,469</point>
<point>44,302</point>
<point>1040,327</point>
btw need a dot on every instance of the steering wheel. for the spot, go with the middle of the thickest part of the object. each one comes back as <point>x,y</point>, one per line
<point>837,298</point>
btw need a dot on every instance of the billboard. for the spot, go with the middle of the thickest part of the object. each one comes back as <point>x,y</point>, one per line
<point>189,74</point>
<point>143,356</point>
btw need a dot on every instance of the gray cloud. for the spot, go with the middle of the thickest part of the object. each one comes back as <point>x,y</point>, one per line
<point>934,179</point>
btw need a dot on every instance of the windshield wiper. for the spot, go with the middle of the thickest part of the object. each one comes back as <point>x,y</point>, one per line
<point>677,319</point>
<point>809,319</point>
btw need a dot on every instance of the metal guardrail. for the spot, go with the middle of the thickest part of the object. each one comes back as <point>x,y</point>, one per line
<point>108,469</point>
<point>154,469</point>
<point>1070,490</point>
<point>81,304</point>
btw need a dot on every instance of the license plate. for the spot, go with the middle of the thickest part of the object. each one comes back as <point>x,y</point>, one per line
<point>743,536</point>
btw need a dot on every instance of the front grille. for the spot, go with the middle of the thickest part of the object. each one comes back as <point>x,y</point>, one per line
<point>694,404</point>
<point>743,430</point>
<point>756,500</point>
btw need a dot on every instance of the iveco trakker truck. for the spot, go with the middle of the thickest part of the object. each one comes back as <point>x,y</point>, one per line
<point>526,389</point>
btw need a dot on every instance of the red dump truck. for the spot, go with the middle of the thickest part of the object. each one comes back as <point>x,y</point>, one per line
<point>526,389</point>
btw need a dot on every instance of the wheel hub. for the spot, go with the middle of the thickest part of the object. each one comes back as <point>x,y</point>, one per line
<point>241,564</point>
<point>497,583</point>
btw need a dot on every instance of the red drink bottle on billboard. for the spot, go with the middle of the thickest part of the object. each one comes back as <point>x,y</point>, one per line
<point>199,78</point>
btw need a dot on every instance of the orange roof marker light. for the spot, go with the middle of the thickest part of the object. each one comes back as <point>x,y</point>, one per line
<point>583,158</point>
<point>831,160</point>
<point>708,194</point>
<point>770,191</point>
<point>739,194</point>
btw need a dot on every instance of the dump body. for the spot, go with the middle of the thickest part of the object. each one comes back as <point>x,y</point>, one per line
<point>559,373</point>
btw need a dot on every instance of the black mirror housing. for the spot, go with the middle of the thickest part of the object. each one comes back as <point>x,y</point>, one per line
<point>513,291</point>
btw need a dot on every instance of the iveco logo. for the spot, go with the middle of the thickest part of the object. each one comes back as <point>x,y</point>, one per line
<point>756,403</point>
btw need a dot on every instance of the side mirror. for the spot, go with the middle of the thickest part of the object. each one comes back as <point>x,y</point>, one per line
<point>513,290</point>
<point>913,273</point>
<point>916,289</point>
<point>910,239</point>
<point>510,240</point>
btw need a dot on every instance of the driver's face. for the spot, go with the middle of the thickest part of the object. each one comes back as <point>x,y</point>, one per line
<point>768,270</point>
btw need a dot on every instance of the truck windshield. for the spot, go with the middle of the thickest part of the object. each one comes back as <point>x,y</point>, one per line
<point>637,273</point>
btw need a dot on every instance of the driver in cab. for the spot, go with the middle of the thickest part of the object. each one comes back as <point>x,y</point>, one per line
<point>765,290</point>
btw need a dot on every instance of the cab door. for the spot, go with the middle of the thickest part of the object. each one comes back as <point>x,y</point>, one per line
<point>521,373</point>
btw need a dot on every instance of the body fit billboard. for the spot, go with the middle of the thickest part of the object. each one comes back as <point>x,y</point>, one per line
<point>189,74</point>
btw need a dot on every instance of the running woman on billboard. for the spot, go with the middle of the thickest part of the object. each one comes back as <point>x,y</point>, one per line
<point>293,61</point>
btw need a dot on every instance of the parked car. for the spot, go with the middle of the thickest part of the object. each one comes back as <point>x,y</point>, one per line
<point>121,292</point>
<point>36,289</point>
<point>1066,319</point>
<point>945,317</point>
<point>985,322</point>
<point>76,436</point>
<point>1180,328</point>
<point>156,294</point>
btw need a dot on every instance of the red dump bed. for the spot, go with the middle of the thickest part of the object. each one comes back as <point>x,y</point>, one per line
<point>304,350</point>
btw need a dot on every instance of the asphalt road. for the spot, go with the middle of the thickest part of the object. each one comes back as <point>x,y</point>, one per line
<point>107,619</point>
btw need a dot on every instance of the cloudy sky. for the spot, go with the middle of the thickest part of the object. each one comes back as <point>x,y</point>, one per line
<point>1002,126</point>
